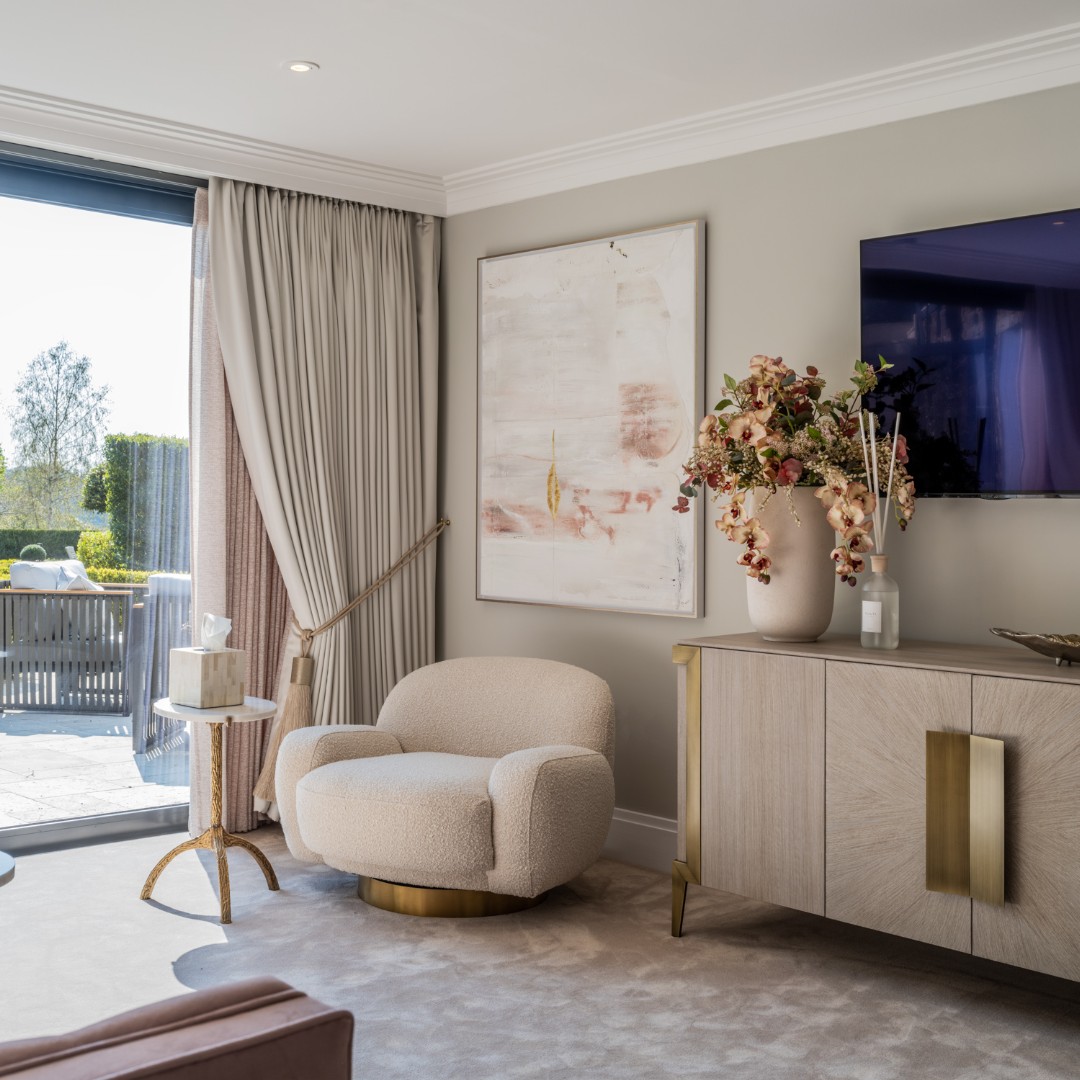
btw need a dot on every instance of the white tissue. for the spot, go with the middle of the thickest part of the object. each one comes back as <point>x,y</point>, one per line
<point>215,629</point>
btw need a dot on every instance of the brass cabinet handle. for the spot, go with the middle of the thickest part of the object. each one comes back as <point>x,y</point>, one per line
<point>965,815</point>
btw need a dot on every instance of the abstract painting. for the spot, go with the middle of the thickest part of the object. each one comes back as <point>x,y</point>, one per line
<point>590,365</point>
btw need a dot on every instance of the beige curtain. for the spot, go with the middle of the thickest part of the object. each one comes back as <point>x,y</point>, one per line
<point>234,571</point>
<point>328,318</point>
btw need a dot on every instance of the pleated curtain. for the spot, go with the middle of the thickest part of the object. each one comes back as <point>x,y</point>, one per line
<point>234,571</point>
<point>328,322</point>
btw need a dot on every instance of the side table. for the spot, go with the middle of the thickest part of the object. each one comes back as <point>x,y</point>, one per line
<point>215,838</point>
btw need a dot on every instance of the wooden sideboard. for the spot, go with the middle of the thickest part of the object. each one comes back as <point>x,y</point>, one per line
<point>802,782</point>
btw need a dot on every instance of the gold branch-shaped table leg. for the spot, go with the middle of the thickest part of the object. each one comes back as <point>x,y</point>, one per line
<point>215,838</point>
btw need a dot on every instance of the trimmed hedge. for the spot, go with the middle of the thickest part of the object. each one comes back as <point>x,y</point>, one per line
<point>146,494</point>
<point>54,541</point>
<point>96,548</point>
<point>105,575</point>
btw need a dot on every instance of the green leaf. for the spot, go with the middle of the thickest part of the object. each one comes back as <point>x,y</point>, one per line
<point>815,434</point>
<point>787,380</point>
<point>720,406</point>
<point>730,383</point>
<point>768,452</point>
<point>688,490</point>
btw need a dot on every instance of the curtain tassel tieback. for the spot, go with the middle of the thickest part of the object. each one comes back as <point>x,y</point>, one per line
<point>298,710</point>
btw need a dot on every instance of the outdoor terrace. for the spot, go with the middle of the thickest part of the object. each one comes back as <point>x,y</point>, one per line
<point>57,765</point>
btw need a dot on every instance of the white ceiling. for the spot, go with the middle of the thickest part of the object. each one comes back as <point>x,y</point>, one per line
<point>423,102</point>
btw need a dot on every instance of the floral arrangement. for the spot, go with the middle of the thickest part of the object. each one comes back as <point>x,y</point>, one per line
<point>777,430</point>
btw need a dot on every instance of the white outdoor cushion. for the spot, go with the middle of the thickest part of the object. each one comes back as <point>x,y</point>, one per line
<point>52,574</point>
<point>34,575</point>
<point>386,816</point>
<point>72,575</point>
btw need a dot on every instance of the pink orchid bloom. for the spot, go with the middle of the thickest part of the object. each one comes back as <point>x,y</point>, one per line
<point>843,515</point>
<point>751,534</point>
<point>861,496</point>
<point>747,429</point>
<point>858,539</point>
<point>709,431</point>
<point>758,565</point>
<point>901,450</point>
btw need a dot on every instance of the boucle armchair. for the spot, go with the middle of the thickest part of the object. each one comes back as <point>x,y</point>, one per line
<point>488,779</point>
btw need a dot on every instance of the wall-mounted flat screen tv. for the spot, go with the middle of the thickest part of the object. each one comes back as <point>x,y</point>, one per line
<point>982,326</point>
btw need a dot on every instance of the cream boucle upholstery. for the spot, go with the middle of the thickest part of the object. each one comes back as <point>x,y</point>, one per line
<point>419,815</point>
<point>489,773</point>
<point>310,749</point>
<point>491,706</point>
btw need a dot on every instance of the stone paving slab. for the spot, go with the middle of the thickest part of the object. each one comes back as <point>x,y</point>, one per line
<point>55,766</point>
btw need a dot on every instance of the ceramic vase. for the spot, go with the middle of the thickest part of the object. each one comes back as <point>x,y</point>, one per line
<point>797,604</point>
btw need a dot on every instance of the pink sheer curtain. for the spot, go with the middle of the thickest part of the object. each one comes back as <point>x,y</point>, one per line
<point>234,571</point>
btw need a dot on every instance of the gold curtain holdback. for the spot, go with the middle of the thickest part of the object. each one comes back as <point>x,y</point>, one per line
<point>297,712</point>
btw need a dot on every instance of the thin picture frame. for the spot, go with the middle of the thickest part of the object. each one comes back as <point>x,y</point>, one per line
<point>590,385</point>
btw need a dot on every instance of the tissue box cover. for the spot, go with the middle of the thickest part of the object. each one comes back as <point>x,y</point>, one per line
<point>206,680</point>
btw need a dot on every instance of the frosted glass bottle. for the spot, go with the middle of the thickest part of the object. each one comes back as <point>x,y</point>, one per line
<point>880,607</point>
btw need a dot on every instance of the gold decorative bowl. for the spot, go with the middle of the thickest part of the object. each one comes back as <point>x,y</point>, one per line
<point>1061,648</point>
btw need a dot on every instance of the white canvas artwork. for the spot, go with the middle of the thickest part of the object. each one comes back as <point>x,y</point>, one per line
<point>589,399</point>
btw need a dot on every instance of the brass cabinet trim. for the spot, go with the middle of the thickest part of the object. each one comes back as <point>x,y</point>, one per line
<point>684,873</point>
<point>690,657</point>
<point>965,815</point>
<point>987,844</point>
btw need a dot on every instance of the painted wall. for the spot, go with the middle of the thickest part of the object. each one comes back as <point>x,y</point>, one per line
<point>783,231</point>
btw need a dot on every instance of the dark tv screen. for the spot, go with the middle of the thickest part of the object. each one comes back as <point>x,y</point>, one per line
<point>982,326</point>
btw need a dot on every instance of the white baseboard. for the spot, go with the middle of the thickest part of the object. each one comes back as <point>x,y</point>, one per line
<point>642,839</point>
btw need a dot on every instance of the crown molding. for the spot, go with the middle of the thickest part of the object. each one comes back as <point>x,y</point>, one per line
<point>1008,68</point>
<point>75,127</point>
<point>1019,65</point>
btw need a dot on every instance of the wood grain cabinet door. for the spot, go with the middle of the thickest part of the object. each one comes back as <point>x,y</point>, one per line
<point>762,777</point>
<point>1039,925</point>
<point>875,798</point>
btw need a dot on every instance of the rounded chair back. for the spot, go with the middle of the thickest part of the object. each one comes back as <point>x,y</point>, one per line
<point>490,706</point>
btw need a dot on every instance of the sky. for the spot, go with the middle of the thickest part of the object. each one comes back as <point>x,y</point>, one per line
<point>117,290</point>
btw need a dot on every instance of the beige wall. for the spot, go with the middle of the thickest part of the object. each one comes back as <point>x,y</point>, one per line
<point>783,231</point>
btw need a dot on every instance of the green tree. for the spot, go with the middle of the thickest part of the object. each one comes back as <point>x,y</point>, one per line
<point>56,423</point>
<point>94,490</point>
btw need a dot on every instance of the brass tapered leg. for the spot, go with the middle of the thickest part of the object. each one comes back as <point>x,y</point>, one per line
<point>215,839</point>
<point>680,878</point>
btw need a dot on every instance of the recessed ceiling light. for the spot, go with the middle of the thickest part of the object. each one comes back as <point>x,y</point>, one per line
<point>301,67</point>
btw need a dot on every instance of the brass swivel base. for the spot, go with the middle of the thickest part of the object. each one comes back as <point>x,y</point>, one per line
<point>217,840</point>
<point>440,903</point>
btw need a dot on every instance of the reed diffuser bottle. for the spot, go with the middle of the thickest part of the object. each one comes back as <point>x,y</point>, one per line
<point>880,607</point>
<point>880,594</point>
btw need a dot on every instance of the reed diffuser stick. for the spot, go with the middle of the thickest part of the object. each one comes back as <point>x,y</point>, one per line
<point>877,482</point>
<point>892,467</point>
<point>866,464</point>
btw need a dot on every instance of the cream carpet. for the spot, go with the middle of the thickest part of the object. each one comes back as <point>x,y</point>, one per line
<point>589,984</point>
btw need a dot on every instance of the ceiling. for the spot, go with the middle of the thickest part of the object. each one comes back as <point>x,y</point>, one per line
<point>454,104</point>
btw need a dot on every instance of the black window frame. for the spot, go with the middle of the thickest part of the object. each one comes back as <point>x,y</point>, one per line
<point>47,176</point>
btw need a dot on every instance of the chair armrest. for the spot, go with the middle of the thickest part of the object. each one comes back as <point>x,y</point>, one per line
<point>551,811</point>
<point>305,750</point>
<point>258,1027</point>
